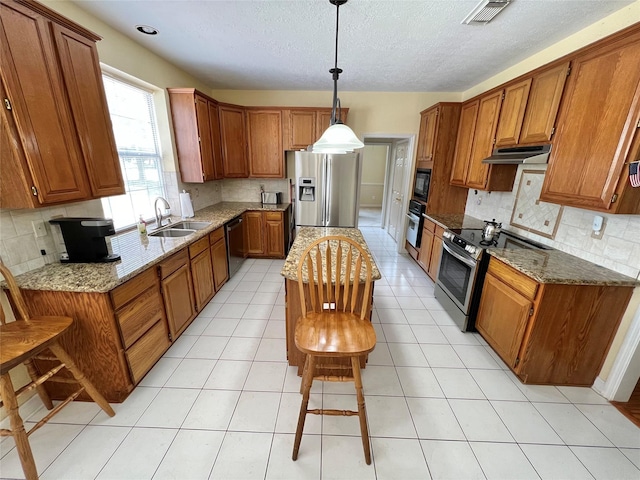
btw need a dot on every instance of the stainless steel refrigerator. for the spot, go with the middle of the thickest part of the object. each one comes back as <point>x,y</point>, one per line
<point>327,189</point>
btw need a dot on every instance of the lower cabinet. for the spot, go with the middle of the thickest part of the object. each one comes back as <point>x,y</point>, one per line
<point>218,247</point>
<point>177,290</point>
<point>265,234</point>
<point>201,272</point>
<point>549,333</point>
<point>430,248</point>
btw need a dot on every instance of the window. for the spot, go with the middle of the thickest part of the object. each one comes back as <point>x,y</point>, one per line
<point>136,133</point>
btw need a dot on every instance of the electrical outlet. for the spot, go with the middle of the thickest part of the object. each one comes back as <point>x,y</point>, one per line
<point>598,226</point>
<point>39,228</point>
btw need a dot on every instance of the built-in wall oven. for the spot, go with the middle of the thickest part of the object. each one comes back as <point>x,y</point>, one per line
<point>415,221</point>
<point>463,266</point>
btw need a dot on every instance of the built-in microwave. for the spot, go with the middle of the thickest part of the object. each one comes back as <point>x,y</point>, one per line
<point>421,186</point>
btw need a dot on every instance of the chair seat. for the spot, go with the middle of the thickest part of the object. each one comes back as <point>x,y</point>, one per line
<point>20,340</point>
<point>334,334</point>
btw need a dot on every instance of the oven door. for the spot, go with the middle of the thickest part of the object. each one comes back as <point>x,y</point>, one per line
<point>457,275</point>
<point>414,229</point>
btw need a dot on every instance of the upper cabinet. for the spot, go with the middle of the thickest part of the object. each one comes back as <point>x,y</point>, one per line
<point>304,126</point>
<point>438,139</point>
<point>597,130</point>
<point>55,118</point>
<point>264,133</point>
<point>197,133</point>
<point>476,138</point>
<point>234,144</point>
<point>514,103</point>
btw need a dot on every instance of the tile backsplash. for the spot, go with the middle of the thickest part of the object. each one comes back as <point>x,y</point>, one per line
<point>248,189</point>
<point>618,249</point>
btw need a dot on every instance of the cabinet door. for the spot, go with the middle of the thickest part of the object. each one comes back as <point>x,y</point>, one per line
<point>427,137</point>
<point>464,142</point>
<point>177,290</point>
<point>232,132</point>
<point>323,120</point>
<point>220,265</point>
<point>426,245</point>
<point>266,155</point>
<point>83,80</point>
<point>254,233</point>
<point>483,139</point>
<point>596,124</point>
<point>502,318</point>
<point>512,113</point>
<point>302,128</point>
<point>434,261</point>
<point>542,107</point>
<point>204,138</point>
<point>275,234</point>
<point>216,141</point>
<point>40,106</point>
<point>202,273</point>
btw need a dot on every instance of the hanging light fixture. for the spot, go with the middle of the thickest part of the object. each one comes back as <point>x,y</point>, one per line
<point>338,138</point>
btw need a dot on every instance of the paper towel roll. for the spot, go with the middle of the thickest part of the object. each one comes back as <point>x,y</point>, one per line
<point>185,205</point>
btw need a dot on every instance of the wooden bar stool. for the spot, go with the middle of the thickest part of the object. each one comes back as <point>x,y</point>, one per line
<point>334,275</point>
<point>21,342</point>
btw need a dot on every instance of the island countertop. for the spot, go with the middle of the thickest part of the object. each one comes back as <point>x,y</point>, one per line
<point>307,235</point>
<point>137,252</point>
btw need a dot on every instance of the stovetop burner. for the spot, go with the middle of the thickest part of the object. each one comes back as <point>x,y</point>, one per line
<point>504,239</point>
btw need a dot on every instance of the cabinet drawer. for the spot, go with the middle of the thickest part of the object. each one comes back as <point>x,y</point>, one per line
<point>134,287</point>
<point>146,351</point>
<point>439,231</point>
<point>198,247</point>
<point>136,317</point>
<point>216,235</point>
<point>273,215</point>
<point>429,226</point>
<point>518,281</point>
<point>171,264</point>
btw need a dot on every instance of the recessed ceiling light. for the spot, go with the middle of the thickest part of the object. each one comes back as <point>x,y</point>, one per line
<point>146,29</point>
<point>485,11</point>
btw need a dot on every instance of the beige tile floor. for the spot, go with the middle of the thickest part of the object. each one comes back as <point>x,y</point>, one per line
<point>222,403</point>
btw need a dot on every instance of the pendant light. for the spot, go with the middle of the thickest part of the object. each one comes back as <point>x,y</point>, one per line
<point>338,138</point>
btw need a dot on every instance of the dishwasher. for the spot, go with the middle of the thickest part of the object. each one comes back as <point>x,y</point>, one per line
<point>235,244</point>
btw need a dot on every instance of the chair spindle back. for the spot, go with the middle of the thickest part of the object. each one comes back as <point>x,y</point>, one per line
<point>18,301</point>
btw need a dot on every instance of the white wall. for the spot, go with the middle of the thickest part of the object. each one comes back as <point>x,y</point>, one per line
<point>374,160</point>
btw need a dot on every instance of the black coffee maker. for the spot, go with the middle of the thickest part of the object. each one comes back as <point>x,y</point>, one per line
<point>85,240</point>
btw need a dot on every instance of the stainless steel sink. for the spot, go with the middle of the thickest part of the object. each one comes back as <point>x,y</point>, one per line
<point>172,232</point>
<point>189,225</point>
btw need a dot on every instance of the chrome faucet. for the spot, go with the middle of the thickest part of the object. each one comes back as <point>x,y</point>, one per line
<point>159,215</point>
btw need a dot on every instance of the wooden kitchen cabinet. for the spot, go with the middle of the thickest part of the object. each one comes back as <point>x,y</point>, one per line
<point>514,103</point>
<point>177,290</point>
<point>265,234</point>
<point>306,125</point>
<point>464,142</point>
<point>201,272</point>
<point>427,137</point>
<point>234,141</point>
<point>197,131</point>
<point>549,333</point>
<point>60,131</point>
<point>597,129</point>
<point>265,150</point>
<point>430,248</point>
<point>218,246</point>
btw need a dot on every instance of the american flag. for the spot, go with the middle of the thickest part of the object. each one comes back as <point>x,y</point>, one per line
<point>634,174</point>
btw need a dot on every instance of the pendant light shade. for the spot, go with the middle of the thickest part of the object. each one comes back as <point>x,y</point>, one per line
<point>338,138</point>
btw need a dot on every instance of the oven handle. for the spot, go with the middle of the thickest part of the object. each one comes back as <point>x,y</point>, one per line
<point>456,255</point>
<point>413,218</point>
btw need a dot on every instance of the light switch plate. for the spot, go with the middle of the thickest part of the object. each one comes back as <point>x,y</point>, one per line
<point>39,228</point>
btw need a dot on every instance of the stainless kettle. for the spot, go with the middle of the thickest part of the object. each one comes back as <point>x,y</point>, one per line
<point>491,230</point>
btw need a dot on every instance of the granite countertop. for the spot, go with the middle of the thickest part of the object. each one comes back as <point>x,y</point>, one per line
<point>138,252</point>
<point>306,235</point>
<point>453,221</point>
<point>555,266</point>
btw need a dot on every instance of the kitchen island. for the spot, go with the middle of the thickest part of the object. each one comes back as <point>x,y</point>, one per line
<point>305,237</point>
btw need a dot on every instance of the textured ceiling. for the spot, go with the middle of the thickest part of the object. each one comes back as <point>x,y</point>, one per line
<point>392,45</point>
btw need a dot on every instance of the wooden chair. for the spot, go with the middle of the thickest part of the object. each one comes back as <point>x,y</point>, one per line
<point>21,342</point>
<point>334,276</point>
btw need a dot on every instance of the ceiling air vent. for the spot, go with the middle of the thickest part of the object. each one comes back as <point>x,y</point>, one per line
<point>485,12</point>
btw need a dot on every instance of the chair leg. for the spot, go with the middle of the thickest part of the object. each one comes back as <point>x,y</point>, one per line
<point>307,381</point>
<point>97,397</point>
<point>304,373</point>
<point>17,428</point>
<point>42,392</point>
<point>364,431</point>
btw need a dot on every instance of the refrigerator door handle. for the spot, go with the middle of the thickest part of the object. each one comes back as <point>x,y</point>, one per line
<point>329,191</point>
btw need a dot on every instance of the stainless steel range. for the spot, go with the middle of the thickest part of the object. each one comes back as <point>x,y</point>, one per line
<point>462,269</point>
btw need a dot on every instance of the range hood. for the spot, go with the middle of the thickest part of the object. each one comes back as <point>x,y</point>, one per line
<point>533,154</point>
